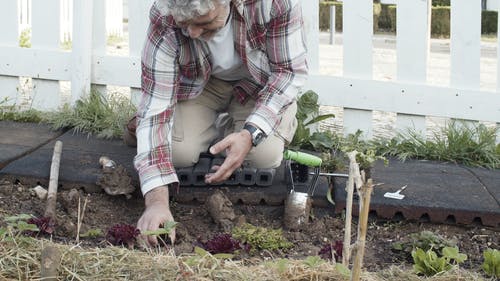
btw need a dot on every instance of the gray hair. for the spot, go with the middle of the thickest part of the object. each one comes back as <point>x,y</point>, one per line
<point>183,10</point>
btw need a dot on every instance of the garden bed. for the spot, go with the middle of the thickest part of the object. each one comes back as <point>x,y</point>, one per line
<point>197,226</point>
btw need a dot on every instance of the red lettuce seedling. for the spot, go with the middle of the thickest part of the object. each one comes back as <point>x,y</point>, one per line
<point>332,250</point>
<point>45,225</point>
<point>222,243</point>
<point>122,234</point>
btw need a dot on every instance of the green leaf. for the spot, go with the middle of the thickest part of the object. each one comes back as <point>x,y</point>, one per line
<point>165,230</point>
<point>313,261</point>
<point>453,253</point>
<point>24,226</point>
<point>223,256</point>
<point>344,270</point>
<point>491,264</point>
<point>329,195</point>
<point>92,233</point>
<point>20,217</point>
<point>200,251</point>
<point>319,118</point>
<point>398,246</point>
<point>282,265</point>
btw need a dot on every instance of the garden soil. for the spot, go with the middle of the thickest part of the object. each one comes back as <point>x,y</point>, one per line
<point>196,225</point>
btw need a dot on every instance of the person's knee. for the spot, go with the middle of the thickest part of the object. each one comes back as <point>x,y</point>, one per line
<point>185,154</point>
<point>268,154</point>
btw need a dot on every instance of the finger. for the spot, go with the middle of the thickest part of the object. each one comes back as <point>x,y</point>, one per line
<point>172,236</point>
<point>224,172</point>
<point>215,168</point>
<point>220,146</point>
<point>152,240</point>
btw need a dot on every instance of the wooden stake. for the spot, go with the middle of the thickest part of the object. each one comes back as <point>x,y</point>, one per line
<point>51,257</point>
<point>354,181</point>
<point>365,196</point>
<point>50,209</point>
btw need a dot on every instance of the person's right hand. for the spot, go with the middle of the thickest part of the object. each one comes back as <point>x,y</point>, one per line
<point>157,212</point>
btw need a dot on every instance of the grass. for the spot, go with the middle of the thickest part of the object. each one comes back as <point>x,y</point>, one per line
<point>20,260</point>
<point>457,142</point>
<point>95,115</point>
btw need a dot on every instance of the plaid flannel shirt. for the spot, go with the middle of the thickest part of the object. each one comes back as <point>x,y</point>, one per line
<point>270,41</point>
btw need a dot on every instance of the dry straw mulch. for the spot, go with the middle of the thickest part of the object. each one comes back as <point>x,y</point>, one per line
<point>20,260</point>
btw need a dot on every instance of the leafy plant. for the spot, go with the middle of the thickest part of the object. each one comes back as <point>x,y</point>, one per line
<point>425,240</point>
<point>122,234</point>
<point>307,115</point>
<point>261,238</point>
<point>332,251</point>
<point>313,261</point>
<point>430,263</point>
<point>45,225</point>
<point>17,226</point>
<point>491,264</point>
<point>222,243</point>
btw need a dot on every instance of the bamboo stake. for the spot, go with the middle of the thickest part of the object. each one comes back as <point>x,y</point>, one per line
<point>365,196</point>
<point>354,181</point>
<point>51,256</point>
<point>50,209</point>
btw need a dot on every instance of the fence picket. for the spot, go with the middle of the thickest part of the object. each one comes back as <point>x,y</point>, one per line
<point>357,37</point>
<point>81,61</point>
<point>311,33</point>
<point>413,32</point>
<point>45,35</point>
<point>465,48</point>
<point>138,24</point>
<point>9,37</point>
<point>99,38</point>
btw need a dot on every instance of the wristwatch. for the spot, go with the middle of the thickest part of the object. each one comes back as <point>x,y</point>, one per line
<point>257,135</point>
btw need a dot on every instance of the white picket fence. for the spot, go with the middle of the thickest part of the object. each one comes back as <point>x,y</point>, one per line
<point>409,96</point>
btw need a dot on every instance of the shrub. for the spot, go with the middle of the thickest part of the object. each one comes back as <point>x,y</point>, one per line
<point>489,22</point>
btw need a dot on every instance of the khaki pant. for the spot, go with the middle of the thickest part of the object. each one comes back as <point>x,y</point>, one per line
<point>195,127</point>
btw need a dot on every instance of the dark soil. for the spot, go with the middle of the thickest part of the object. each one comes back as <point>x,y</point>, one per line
<point>197,224</point>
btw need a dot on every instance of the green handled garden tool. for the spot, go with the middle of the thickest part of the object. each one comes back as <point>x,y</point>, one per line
<point>298,204</point>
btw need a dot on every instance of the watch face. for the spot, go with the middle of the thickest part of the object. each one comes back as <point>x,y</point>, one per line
<point>258,138</point>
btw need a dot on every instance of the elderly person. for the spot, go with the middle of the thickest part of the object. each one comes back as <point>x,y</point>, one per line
<point>202,58</point>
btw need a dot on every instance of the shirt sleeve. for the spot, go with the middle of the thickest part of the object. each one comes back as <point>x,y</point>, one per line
<point>156,109</point>
<point>286,52</point>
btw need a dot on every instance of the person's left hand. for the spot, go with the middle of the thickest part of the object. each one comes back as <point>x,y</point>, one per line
<point>237,146</point>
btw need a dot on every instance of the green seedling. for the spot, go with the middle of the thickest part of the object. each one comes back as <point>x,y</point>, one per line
<point>92,233</point>
<point>429,263</point>
<point>165,230</point>
<point>203,253</point>
<point>424,240</point>
<point>313,261</point>
<point>17,226</point>
<point>491,264</point>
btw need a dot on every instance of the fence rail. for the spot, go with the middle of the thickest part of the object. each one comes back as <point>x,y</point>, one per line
<point>409,96</point>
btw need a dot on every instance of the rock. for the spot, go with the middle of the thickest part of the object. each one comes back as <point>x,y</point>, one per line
<point>221,210</point>
<point>116,181</point>
<point>40,192</point>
